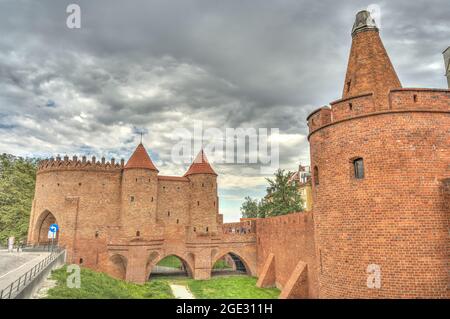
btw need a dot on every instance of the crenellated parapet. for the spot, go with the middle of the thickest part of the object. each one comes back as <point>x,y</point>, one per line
<point>399,100</point>
<point>75,163</point>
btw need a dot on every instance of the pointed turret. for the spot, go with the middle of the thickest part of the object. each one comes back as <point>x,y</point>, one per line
<point>204,202</point>
<point>369,68</point>
<point>140,159</point>
<point>200,165</point>
<point>139,195</point>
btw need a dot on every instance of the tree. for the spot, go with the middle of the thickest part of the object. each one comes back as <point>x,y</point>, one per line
<point>249,208</point>
<point>282,197</point>
<point>17,180</point>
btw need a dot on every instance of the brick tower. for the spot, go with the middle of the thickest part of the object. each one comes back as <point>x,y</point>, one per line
<point>380,167</point>
<point>203,182</point>
<point>139,194</point>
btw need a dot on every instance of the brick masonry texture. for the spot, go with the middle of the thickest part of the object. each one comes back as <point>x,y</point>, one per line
<point>124,220</point>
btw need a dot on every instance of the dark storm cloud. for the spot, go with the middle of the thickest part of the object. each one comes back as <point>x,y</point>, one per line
<point>160,65</point>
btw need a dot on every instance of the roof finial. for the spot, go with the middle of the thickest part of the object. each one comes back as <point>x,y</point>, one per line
<point>363,22</point>
<point>141,136</point>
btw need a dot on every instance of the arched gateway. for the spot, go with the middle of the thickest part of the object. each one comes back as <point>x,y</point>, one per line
<point>41,228</point>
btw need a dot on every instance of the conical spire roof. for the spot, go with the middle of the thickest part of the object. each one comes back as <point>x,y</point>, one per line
<point>140,159</point>
<point>369,68</point>
<point>200,165</point>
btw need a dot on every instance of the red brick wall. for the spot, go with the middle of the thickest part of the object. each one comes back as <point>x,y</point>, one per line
<point>395,217</point>
<point>92,203</point>
<point>291,239</point>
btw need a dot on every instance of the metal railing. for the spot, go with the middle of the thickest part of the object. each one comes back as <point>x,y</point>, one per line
<point>14,288</point>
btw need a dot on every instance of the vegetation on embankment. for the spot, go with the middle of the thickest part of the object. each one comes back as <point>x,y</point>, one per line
<point>17,180</point>
<point>97,285</point>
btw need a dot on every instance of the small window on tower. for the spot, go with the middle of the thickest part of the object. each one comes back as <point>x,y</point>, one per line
<point>207,229</point>
<point>131,198</point>
<point>316,175</point>
<point>168,213</point>
<point>96,234</point>
<point>138,233</point>
<point>358,167</point>
<point>198,203</point>
<point>349,83</point>
<point>81,261</point>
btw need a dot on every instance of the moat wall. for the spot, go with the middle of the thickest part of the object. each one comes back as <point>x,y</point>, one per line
<point>290,238</point>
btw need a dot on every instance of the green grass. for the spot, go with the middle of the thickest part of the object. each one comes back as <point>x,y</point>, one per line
<point>170,261</point>
<point>96,285</point>
<point>226,287</point>
<point>221,264</point>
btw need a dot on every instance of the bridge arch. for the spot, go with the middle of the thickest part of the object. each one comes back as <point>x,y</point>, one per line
<point>155,257</point>
<point>237,256</point>
<point>118,266</point>
<point>41,227</point>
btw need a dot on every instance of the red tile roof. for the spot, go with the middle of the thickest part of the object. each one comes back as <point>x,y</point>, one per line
<point>200,165</point>
<point>140,159</point>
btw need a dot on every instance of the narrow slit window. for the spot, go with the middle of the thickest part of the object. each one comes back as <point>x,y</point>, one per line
<point>358,167</point>
<point>316,175</point>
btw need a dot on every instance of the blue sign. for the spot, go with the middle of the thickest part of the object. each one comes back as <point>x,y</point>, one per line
<point>53,228</point>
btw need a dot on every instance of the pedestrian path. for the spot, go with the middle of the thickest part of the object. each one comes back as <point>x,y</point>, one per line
<point>15,264</point>
<point>181,292</point>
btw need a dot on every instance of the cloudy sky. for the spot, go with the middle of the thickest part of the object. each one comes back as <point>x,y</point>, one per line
<point>157,66</point>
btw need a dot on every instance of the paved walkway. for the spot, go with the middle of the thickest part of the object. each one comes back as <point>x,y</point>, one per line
<point>14,264</point>
<point>181,292</point>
